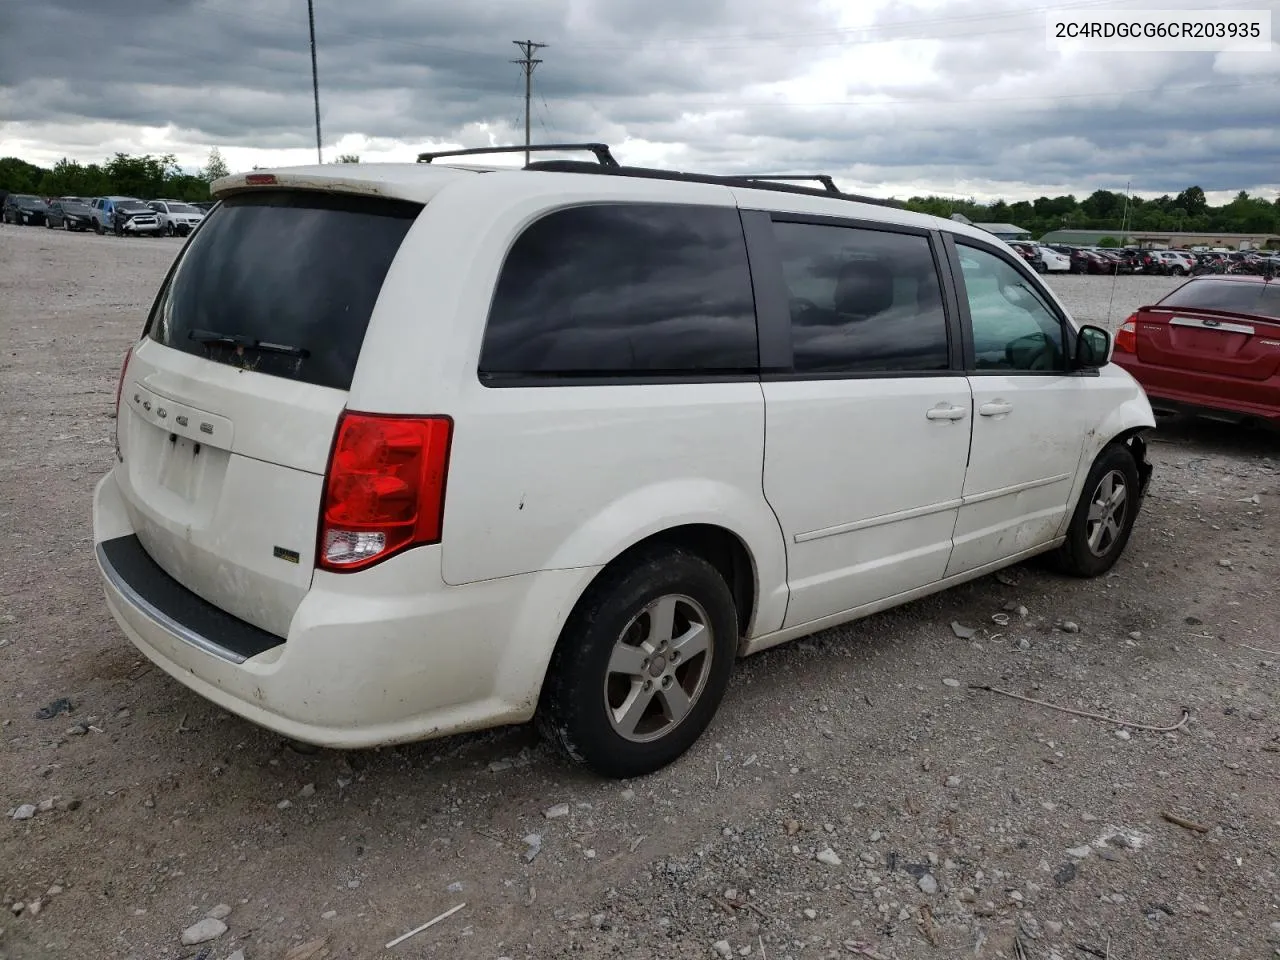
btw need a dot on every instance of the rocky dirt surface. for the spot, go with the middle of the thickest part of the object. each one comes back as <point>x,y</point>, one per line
<point>856,796</point>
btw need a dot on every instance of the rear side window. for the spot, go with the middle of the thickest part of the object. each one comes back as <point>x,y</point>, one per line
<point>1234,296</point>
<point>283,282</point>
<point>862,301</point>
<point>624,290</point>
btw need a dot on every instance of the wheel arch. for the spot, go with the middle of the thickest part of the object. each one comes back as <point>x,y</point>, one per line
<point>1126,424</point>
<point>723,548</point>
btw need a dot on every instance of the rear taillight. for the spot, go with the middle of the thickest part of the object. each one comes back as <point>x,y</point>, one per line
<point>384,489</point>
<point>1127,335</point>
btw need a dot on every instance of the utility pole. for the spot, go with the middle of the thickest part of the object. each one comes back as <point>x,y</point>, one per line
<point>528,48</point>
<point>315,77</point>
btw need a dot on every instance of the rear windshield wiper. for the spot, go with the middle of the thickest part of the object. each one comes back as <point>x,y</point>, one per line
<point>210,337</point>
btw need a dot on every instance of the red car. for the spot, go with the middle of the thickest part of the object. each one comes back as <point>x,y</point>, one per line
<point>1210,348</point>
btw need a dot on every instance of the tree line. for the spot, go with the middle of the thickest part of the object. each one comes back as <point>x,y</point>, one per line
<point>149,177</point>
<point>1188,212</point>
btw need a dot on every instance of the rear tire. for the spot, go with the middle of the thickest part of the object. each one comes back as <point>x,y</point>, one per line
<point>642,664</point>
<point>1104,517</point>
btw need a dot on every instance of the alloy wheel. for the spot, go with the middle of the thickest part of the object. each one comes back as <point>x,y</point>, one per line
<point>658,668</point>
<point>1108,509</point>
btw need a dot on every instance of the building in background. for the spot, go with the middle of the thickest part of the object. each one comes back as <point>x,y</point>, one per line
<point>1005,231</point>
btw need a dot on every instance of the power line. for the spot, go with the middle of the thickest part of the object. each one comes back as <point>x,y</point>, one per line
<point>830,31</point>
<point>528,63</point>
<point>925,100</point>
<point>912,33</point>
<point>546,111</point>
<point>544,116</point>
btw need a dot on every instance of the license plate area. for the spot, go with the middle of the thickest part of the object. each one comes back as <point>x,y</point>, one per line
<point>1208,341</point>
<point>180,466</point>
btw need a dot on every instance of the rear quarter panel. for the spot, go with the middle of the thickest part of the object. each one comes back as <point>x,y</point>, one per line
<point>544,478</point>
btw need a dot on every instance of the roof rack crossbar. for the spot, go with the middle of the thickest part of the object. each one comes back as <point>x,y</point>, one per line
<point>601,151</point>
<point>822,178</point>
<point>751,183</point>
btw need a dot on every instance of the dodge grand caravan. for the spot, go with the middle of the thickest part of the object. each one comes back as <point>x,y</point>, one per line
<point>408,450</point>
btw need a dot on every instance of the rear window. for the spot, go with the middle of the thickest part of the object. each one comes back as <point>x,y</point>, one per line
<point>1234,296</point>
<point>283,283</point>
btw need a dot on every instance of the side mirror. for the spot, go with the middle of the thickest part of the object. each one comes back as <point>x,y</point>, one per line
<point>1093,348</point>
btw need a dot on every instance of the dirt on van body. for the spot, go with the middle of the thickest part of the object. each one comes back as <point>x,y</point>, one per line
<point>857,796</point>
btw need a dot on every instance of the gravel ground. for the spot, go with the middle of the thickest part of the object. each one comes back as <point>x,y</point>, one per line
<point>855,796</point>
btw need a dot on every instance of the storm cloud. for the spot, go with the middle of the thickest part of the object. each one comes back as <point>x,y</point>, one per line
<point>961,97</point>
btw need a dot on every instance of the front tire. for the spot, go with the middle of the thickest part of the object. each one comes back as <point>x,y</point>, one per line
<point>642,664</point>
<point>1104,517</point>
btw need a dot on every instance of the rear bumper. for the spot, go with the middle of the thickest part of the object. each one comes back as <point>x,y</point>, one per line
<point>366,662</point>
<point>1169,399</point>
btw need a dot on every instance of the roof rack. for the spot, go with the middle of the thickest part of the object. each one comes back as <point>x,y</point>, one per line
<point>606,164</point>
<point>822,178</point>
<point>743,182</point>
<point>601,151</point>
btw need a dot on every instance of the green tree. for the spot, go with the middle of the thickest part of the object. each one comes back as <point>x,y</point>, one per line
<point>348,158</point>
<point>143,176</point>
<point>1111,242</point>
<point>1103,205</point>
<point>1193,201</point>
<point>18,176</point>
<point>215,167</point>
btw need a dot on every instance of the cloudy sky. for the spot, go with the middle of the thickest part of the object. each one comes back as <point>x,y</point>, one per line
<point>893,97</point>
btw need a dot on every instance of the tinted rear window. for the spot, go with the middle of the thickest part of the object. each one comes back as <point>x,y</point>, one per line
<point>862,301</point>
<point>294,269</point>
<point>623,290</point>
<point>1235,296</point>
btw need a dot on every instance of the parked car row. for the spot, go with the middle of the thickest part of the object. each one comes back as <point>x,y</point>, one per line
<point>1167,263</point>
<point>123,216</point>
<point>1244,262</point>
<point>1041,257</point>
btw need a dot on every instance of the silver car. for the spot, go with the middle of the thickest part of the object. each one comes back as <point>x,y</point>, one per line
<point>176,217</point>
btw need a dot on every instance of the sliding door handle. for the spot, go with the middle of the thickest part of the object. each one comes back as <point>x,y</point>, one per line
<point>946,411</point>
<point>995,408</point>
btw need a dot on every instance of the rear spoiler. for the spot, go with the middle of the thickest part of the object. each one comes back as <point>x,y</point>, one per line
<point>258,179</point>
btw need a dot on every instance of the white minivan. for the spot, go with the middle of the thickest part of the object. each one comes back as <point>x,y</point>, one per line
<point>407,450</point>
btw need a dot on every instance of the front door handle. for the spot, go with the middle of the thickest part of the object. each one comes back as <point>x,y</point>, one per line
<point>946,411</point>
<point>995,408</point>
